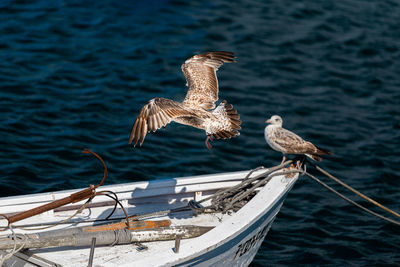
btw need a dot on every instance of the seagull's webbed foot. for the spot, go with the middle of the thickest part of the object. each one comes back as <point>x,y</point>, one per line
<point>208,139</point>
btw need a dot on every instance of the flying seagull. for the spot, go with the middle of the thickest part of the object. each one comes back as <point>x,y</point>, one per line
<point>287,142</point>
<point>198,108</point>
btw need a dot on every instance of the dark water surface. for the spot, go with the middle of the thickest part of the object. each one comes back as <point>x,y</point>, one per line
<point>74,74</point>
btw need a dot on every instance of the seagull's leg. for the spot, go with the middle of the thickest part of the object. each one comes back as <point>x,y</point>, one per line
<point>284,158</point>
<point>208,139</point>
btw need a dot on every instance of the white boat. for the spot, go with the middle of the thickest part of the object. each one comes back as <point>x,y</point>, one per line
<point>233,240</point>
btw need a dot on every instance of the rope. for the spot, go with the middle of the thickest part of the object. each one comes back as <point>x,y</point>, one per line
<point>116,233</point>
<point>223,194</point>
<point>84,206</point>
<point>240,196</point>
<point>356,192</point>
<point>351,201</point>
<point>247,181</point>
<point>15,249</point>
<point>60,222</point>
<point>236,197</point>
<point>94,194</point>
<point>122,236</point>
<point>115,198</point>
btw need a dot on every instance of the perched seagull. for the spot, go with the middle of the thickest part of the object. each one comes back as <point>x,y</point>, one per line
<point>288,142</point>
<point>195,110</point>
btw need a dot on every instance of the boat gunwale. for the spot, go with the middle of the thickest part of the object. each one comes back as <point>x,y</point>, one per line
<point>45,197</point>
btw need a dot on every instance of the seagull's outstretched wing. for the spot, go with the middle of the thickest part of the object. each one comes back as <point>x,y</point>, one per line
<point>200,73</point>
<point>155,114</point>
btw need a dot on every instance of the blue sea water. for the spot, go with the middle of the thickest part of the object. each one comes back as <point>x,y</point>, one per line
<point>75,74</point>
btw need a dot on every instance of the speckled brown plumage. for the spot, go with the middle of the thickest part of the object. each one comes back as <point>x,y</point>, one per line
<point>287,142</point>
<point>200,73</point>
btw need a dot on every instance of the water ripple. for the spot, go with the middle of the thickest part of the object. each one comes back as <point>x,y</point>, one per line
<point>75,74</point>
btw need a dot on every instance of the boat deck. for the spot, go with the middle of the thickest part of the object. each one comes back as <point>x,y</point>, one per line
<point>117,255</point>
<point>152,196</point>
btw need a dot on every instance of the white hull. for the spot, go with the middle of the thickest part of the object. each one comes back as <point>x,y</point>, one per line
<point>234,240</point>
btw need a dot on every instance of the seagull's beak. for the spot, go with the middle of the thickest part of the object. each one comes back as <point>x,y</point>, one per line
<point>268,121</point>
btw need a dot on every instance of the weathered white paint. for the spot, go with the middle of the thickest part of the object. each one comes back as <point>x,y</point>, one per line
<point>231,236</point>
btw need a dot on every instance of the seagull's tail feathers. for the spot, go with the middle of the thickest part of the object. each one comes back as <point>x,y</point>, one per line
<point>231,116</point>
<point>321,151</point>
